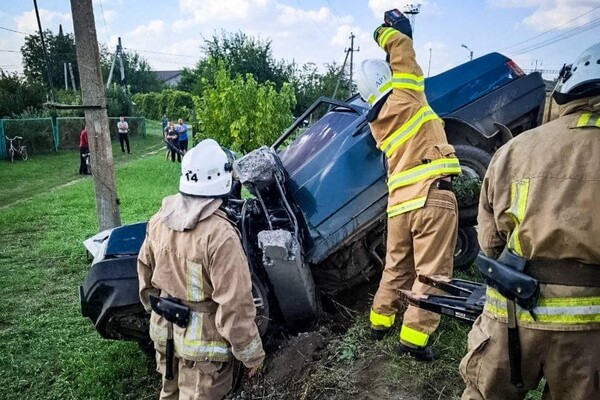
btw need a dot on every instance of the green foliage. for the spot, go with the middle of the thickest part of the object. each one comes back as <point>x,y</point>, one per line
<point>241,113</point>
<point>241,54</point>
<point>118,101</point>
<point>43,173</point>
<point>60,49</point>
<point>139,77</point>
<point>309,85</point>
<point>466,189</point>
<point>18,94</point>
<point>175,103</point>
<point>349,347</point>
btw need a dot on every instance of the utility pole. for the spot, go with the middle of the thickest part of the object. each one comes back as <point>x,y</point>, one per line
<point>66,77</point>
<point>46,61</point>
<point>96,117</point>
<point>535,69</point>
<point>72,77</point>
<point>351,50</point>
<point>429,64</point>
<point>118,55</point>
<point>340,75</point>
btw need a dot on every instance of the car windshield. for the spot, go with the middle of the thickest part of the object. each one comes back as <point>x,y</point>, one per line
<point>308,140</point>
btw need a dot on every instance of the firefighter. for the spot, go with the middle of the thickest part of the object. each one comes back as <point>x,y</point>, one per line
<point>192,257</point>
<point>539,204</point>
<point>422,210</point>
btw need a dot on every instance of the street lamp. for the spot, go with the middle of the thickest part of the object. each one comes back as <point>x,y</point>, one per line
<point>470,51</point>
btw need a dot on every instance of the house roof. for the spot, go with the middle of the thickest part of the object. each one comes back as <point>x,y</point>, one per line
<point>164,76</point>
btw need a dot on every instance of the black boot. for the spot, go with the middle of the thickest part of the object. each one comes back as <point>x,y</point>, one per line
<point>418,353</point>
<point>379,334</point>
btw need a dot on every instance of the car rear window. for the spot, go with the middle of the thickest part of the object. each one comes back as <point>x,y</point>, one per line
<point>314,138</point>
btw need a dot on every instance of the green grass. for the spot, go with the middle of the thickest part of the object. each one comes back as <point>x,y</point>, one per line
<point>21,180</point>
<point>47,350</point>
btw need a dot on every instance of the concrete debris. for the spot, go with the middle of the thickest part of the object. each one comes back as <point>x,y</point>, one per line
<point>259,169</point>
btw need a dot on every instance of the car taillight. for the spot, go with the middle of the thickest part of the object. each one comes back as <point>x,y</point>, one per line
<point>515,68</point>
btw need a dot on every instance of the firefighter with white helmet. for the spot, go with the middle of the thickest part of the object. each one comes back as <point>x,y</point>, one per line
<point>539,216</point>
<point>195,281</point>
<point>422,210</point>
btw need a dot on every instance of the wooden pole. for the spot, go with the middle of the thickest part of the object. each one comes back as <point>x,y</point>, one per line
<point>96,120</point>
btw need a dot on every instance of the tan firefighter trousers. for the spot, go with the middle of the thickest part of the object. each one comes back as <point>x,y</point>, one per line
<point>200,380</point>
<point>419,242</point>
<point>569,360</point>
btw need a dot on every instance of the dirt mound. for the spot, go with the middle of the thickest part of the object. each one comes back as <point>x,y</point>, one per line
<point>292,360</point>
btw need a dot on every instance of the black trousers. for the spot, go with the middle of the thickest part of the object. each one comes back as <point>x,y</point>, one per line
<point>82,166</point>
<point>124,137</point>
<point>173,150</point>
<point>183,145</point>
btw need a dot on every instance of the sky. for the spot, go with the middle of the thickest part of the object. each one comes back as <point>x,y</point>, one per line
<point>542,34</point>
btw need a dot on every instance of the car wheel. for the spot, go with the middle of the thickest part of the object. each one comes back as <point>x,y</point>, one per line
<point>261,302</point>
<point>466,249</point>
<point>473,163</point>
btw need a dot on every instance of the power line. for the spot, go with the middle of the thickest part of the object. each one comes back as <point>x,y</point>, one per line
<point>550,30</point>
<point>104,19</point>
<point>566,35</point>
<point>311,18</point>
<point>161,53</point>
<point>334,12</point>
<point>15,31</point>
<point>9,51</point>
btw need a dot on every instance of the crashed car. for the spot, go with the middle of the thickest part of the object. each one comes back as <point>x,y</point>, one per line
<point>315,222</point>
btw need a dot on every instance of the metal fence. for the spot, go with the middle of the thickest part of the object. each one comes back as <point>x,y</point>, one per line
<point>47,135</point>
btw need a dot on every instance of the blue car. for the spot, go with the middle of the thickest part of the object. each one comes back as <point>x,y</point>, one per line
<point>316,221</point>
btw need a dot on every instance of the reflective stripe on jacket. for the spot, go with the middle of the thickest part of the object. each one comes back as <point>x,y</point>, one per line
<point>539,198</point>
<point>193,252</point>
<point>408,131</point>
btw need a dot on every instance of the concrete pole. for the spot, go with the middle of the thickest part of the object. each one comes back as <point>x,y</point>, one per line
<point>96,119</point>
<point>72,77</point>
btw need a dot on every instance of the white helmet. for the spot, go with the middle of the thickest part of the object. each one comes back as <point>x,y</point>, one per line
<point>581,79</point>
<point>206,171</point>
<point>374,80</point>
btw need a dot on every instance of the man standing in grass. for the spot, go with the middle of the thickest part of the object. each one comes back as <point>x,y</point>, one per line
<point>182,133</point>
<point>123,128</point>
<point>193,258</point>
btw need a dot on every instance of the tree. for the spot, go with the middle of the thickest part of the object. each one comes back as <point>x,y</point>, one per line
<point>241,54</point>
<point>138,74</point>
<point>18,94</point>
<point>309,85</point>
<point>241,113</point>
<point>61,49</point>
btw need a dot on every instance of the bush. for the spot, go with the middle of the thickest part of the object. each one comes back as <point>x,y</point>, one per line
<point>36,133</point>
<point>18,94</point>
<point>175,103</point>
<point>242,114</point>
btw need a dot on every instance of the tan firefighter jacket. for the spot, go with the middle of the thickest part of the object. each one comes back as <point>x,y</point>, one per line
<point>193,252</point>
<point>408,131</point>
<point>541,198</point>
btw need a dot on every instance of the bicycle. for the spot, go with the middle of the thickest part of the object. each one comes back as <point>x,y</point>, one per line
<point>19,150</point>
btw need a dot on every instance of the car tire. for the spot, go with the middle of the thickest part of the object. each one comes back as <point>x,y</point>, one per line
<point>474,163</point>
<point>466,249</point>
